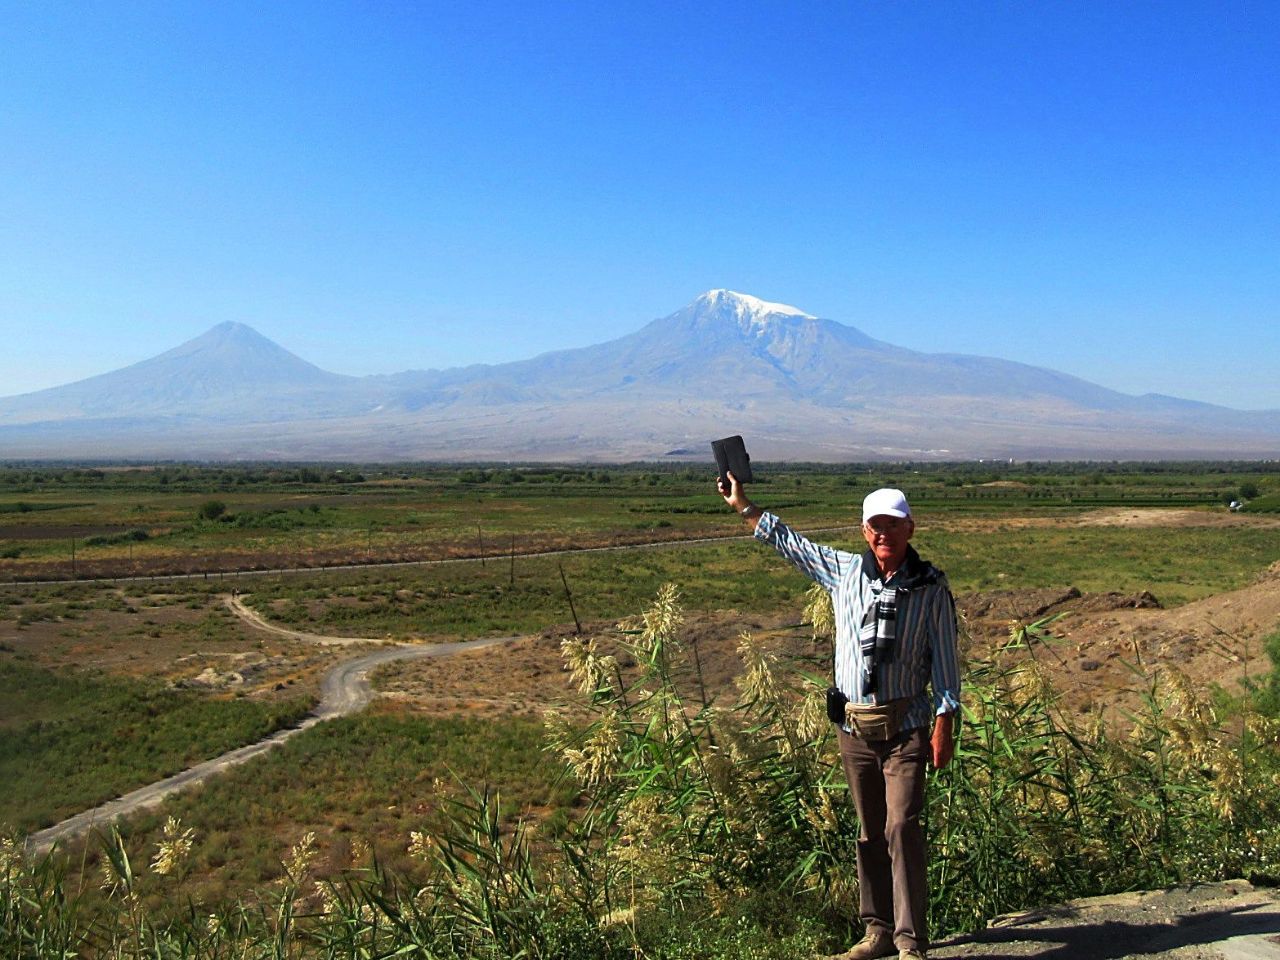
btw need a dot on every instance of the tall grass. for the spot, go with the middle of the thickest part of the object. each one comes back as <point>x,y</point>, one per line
<point>1040,808</point>
<point>72,739</point>
<point>716,829</point>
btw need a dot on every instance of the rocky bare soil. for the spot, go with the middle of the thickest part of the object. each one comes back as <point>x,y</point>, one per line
<point>1215,921</point>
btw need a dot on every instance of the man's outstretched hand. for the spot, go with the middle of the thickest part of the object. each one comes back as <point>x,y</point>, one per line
<point>732,492</point>
<point>943,741</point>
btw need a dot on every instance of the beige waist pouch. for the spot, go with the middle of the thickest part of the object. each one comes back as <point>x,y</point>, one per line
<point>879,722</point>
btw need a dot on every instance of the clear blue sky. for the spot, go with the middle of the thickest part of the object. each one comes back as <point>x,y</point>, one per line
<point>1093,187</point>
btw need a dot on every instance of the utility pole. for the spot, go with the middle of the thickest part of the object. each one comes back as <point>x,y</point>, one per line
<point>480,537</point>
<point>576,624</point>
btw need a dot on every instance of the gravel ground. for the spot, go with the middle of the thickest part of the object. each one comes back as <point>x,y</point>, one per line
<point>1232,920</point>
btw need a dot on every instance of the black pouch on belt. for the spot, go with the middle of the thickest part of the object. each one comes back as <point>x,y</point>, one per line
<point>836,702</point>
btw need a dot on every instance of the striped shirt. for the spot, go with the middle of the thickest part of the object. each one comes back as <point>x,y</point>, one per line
<point>925,646</point>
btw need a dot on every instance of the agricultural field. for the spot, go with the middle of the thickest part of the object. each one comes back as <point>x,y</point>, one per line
<point>109,682</point>
<point>81,523</point>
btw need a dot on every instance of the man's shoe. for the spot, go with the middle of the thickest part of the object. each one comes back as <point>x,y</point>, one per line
<point>871,947</point>
<point>912,955</point>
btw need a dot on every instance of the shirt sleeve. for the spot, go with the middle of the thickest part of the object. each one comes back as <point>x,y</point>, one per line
<point>823,564</point>
<point>944,649</point>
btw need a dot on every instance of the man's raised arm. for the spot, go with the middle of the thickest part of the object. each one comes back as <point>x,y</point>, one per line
<point>736,497</point>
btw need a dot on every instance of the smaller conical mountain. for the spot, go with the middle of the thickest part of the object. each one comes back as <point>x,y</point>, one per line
<point>229,372</point>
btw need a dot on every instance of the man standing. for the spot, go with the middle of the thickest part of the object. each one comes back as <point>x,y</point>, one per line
<point>895,632</point>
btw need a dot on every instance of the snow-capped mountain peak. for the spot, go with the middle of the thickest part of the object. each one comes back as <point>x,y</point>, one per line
<point>750,312</point>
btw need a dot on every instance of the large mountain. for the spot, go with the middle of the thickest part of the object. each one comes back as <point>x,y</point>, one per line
<point>797,386</point>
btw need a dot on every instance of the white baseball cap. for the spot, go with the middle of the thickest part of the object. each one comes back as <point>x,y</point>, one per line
<point>885,502</point>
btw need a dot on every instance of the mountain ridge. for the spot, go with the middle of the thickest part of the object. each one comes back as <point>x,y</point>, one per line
<point>725,363</point>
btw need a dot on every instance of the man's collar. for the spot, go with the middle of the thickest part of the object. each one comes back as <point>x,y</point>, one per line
<point>912,571</point>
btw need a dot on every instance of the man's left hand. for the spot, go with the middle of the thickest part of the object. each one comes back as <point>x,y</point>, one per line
<point>943,741</point>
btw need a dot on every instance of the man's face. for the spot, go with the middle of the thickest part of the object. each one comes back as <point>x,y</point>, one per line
<point>887,537</point>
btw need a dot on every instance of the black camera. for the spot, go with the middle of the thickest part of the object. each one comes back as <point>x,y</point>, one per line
<point>836,702</point>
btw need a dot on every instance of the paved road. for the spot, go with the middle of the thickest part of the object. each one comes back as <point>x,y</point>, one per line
<point>344,690</point>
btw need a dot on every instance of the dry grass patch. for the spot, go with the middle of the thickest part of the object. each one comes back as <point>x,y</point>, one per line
<point>183,639</point>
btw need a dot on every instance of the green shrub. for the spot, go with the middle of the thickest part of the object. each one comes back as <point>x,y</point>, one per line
<point>110,539</point>
<point>1267,503</point>
<point>1265,692</point>
<point>211,510</point>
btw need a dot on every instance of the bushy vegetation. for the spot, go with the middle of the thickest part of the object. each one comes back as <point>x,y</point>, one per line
<point>717,830</point>
<point>1266,503</point>
<point>1264,692</point>
<point>71,740</point>
<point>1042,808</point>
<point>135,535</point>
<point>211,510</point>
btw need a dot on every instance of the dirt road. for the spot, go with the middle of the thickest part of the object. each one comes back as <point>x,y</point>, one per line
<point>254,619</point>
<point>345,690</point>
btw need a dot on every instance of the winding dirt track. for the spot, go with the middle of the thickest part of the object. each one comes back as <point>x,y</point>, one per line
<point>344,690</point>
<point>254,619</point>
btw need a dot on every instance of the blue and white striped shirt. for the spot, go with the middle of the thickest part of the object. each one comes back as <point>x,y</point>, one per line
<point>925,646</point>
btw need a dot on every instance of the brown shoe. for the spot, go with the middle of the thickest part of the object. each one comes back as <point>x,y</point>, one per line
<point>912,955</point>
<point>870,947</point>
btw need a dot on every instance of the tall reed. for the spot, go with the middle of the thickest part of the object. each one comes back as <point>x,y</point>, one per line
<point>713,829</point>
